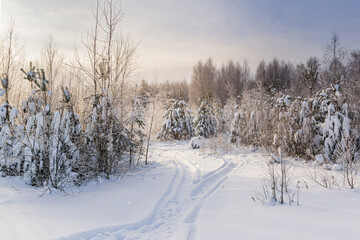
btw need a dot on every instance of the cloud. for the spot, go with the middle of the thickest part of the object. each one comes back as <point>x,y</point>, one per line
<point>176,34</point>
<point>35,20</point>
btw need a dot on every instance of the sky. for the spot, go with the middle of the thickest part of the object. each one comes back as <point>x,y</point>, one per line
<point>175,35</point>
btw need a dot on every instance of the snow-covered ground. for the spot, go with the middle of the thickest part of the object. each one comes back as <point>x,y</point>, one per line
<point>182,194</point>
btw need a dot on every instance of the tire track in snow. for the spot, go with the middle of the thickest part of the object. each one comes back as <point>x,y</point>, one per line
<point>221,175</point>
<point>184,212</point>
<point>224,164</point>
<point>194,167</point>
<point>179,207</point>
<point>210,177</point>
<point>104,233</point>
<point>163,212</point>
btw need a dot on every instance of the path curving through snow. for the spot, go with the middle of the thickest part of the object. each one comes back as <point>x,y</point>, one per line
<point>182,194</point>
<point>195,178</point>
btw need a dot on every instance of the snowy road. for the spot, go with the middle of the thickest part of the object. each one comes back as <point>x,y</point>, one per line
<point>175,214</point>
<point>182,194</point>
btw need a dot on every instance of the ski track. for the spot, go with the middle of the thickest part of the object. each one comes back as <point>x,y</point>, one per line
<point>180,205</point>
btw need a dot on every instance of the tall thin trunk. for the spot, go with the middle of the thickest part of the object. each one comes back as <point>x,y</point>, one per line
<point>149,134</point>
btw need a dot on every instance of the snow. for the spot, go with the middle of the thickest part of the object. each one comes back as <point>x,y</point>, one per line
<point>66,93</point>
<point>320,158</point>
<point>47,108</point>
<point>26,215</point>
<point>32,107</point>
<point>2,92</point>
<point>14,113</point>
<point>226,215</point>
<point>337,167</point>
<point>183,193</point>
<point>5,82</point>
<point>196,142</point>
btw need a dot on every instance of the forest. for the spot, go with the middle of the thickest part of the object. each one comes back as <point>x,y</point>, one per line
<point>68,121</point>
<point>93,147</point>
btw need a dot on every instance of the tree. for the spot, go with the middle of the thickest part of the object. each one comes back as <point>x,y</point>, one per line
<point>205,122</point>
<point>351,87</point>
<point>335,56</point>
<point>177,122</point>
<point>229,79</point>
<point>202,81</point>
<point>65,144</point>
<point>220,116</point>
<point>275,75</point>
<point>47,142</point>
<point>106,72</point>
<point>348,158</point>
<point>37,120</point>
<point>106,138</point>
<point>8,115</point>
<point>309,74</point>
<point>336,127</point>
<point>52,61</point>
<point>153,111</point>
<point>144,92</point>
<point>136,135</point>
<point>230,108</point>
<point>11,54</point>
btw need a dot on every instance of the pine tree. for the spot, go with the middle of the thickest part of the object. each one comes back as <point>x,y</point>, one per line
<point>106,138</point>
<point>47,142</point>
<point>136,135</point>
<point>336,128</point>
<point>205,122</point>
<point>65,143</point>
<point>177,122</point>
<point>238,126</point>
<point>36,136</point>
<point>9,165</point>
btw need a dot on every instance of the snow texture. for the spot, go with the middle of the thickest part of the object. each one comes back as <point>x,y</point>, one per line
<point>179,195</point>
<point>196,142</point>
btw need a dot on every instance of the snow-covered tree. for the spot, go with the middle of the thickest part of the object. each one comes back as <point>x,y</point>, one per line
<point>230,108</point>
<point>36,136</point>
<point>106,68</point>
<point>285,123</point>
<point>238,126</point>
<point>306,132</point>
<point>106,138</point>
<point>136,131</point>
<point>177,122</point>
<point>47,142</point>
<point>8,164</point>
<point>253,122</point>
<point>205,123</point>
<point>220,116</point>
<point>336,128</point>
<point>66,140</point>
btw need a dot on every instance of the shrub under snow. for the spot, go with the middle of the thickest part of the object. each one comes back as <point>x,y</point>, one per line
<point>196,142</point>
